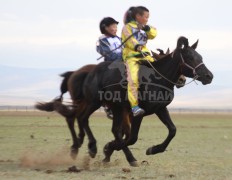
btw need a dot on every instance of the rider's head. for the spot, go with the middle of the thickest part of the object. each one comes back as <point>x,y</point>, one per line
<point>139,14</point>
<point>108,26</point>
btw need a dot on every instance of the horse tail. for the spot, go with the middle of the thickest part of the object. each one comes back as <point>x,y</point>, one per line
<point>78,78</point>
<point>64,110</point>
<point>64,84</point>
<point>45,106</point>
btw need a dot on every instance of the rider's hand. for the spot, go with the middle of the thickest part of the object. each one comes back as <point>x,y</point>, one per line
<point>146,28</point>
<point>139,48</point>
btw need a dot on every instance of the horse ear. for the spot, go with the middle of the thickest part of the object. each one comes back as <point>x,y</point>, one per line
<point>155,55</point>
<point>168,51</point>
<point>194,46</point>
<point>161,52</point>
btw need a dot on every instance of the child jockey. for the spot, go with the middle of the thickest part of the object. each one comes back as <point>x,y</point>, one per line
<point>109,43</point>
<point>135,33</point>
<point>109,46</point>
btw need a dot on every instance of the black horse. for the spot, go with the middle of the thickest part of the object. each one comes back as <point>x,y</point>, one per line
<point>104,86</point>
<point>72,81</point>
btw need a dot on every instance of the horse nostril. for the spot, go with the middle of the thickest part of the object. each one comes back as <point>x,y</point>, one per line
<point>209,76</point>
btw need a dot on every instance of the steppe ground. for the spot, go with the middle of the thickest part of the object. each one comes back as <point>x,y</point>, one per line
<point>35,145</point>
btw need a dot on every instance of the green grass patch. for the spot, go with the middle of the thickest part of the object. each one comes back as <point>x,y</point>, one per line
<point>36,146</point>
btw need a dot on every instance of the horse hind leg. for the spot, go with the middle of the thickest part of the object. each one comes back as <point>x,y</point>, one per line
<point>81,106</point>
<point>84,123</point>
<point>76,141</point>
<point>92,145</point>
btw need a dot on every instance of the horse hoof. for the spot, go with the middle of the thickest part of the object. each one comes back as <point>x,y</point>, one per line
<point>134,164</point>
<point>106,160</point>
<point>79,142</point>
<point>155,150</point>
<point>107,152</point>
<point>92,154</point>
<point>149,151</point>
<point>92,149</point>
<point>74,153</point>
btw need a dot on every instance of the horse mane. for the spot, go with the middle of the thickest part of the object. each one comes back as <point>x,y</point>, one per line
<point>163,60</point>
<point>160,55</point>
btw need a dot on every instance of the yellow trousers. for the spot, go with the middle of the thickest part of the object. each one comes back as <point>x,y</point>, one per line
<point>132,67</point>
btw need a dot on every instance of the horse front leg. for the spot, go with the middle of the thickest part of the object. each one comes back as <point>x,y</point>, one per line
<point>119,129</point>
<point>117,132</point>
<point>164,116</point>
<point>135,127</point>
<point>109,149</point>
<point>119,143</point>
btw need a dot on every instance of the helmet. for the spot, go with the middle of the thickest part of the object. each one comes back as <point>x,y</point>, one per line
<point>107,21</point>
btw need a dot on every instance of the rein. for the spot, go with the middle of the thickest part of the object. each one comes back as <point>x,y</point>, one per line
<point>174,83</point>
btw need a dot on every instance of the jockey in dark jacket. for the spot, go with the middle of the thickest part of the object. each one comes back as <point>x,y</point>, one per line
<point>108,44</point>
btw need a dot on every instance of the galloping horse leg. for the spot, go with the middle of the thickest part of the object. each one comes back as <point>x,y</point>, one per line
<point>126,128</point>
<point>79,111</point>
<point>81,134</point>
<point>135,127</point>
<point>76,141</point>
<point>108,151</point>
<point>164,116</point>
<point>119,130</point>
<point>84,122</point>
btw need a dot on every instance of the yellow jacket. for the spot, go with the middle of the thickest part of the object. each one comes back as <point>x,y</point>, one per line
<point>139,38</point>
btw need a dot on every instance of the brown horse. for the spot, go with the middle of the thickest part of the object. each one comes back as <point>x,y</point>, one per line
<point>72,81</point>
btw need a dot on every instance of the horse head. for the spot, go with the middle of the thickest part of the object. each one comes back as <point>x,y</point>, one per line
<point>191,61</point>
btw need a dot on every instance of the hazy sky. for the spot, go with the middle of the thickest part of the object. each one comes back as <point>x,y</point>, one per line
<point>62,34</point>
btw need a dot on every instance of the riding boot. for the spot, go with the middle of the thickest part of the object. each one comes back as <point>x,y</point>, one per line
<point>137,111</point>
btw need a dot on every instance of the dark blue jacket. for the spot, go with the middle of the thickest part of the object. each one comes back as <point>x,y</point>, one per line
<point>107,47</point>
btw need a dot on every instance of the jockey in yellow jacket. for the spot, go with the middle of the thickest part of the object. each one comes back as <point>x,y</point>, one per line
<point>135,34</point>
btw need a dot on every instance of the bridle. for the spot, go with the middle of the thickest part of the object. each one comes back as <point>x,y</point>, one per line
<point>183,63</point>
<point>190,67</point>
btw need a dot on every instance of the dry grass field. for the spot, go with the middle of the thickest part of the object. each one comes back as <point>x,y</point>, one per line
<point>35,145</point>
